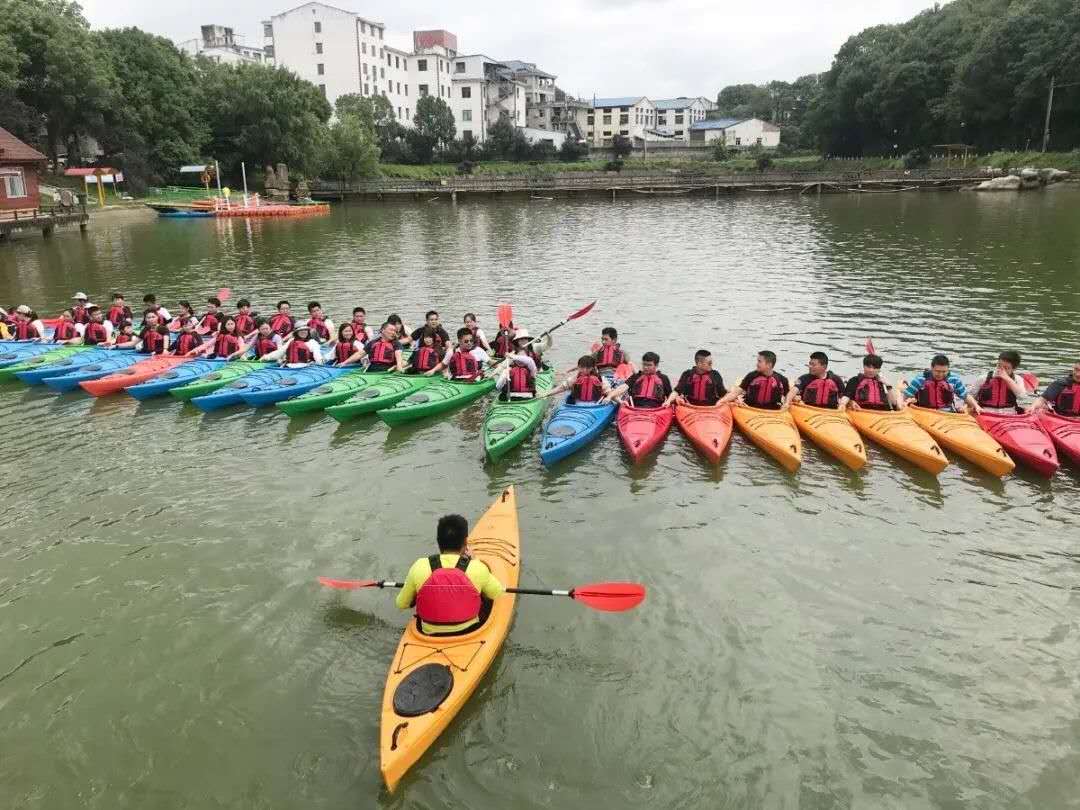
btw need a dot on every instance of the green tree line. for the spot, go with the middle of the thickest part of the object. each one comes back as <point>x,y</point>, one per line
<point>972,71</point>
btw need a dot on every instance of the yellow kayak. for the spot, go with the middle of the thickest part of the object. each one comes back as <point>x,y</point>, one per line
<point>772,431</point>
<point>832,432</point>
<point>960,433</point>
<point>451,665</point>
<point>898,432</point>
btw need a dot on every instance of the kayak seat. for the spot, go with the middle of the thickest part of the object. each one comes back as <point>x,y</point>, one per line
<point>424,690</point>
<point>562,430</point>
<point>417,398</point>
<point>501,427</point>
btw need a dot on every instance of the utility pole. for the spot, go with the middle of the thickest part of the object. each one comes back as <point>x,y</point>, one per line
<point>1049,106</point>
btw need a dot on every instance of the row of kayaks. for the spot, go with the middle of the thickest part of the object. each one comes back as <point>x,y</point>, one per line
<point>991,441</point>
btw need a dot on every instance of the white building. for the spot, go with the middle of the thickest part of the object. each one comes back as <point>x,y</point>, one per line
<point>483,90</point>
<point>218,44</point>
<point>675,116</point>
<point>737,133</point>
<point>629,116</point>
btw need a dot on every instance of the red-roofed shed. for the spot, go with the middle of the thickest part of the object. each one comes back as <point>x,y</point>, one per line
<point>20,165</point>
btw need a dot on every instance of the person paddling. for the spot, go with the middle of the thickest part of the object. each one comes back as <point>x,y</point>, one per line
<point>938,389</point>
<point>211,319</point>
<point>321,326</point>
<point>648,388</point>
<point>282,321</point>
<point>188,341</point>
<point>362,331</point>
<point>819,388</point>
<point>610,354</point>
<point>67,332</point>
<point>98,331</point>
<point>700,385</point>
<point>451,592</point>
<point>585,383</point>
<point>518,380</point>
<point>478,334</point>
<point>348,350</point>
<point>228,344</point>
<point>764,387</point>
<point>866,390</point>
<point>119,311</point>
<point>503,344</point>
<point>1062,396</point>
<point>466,363</point>
<point>384,353</point>
<point>246,322</point>
<point>426,358</point>
<point>1002,389</point>
<point>154,337</point>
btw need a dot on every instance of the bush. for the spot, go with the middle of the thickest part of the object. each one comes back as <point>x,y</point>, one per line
<point>543,151</point>
<point>719,151</point>
<point>465,167</point>
<point>621,146</point>
<point>613,165</point>
<point>916,158</point>
<point>571,151</point>
<point>763,162</point>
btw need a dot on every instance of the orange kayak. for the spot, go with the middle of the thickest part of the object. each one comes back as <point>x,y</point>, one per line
<point>452,665</point>
<point>132,375</point>
<point>961,434</point>
<point>708,427</point>
<point>772,431</point>
<point>832,432</point>
<point>898,432</point>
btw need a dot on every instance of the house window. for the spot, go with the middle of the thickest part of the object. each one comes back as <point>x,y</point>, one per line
<point>268,30</point>
<point>397,62</point>
<point>366,91</point>
<point>607,109</point>
<point>380,33</point>
<point>624,132</point>
<point>363,48</point>
<point>269,51</point>
<point>320,69</point>
<point>759,141</point>
<point>624,109</point>
<point>590,120</point>
<point>624,119</point>
<point>406,91</point>
<point>423,90</point>
<point>466,133</point>
<point>466,92</point>
<point>365,68</point>
<point>399,89</point>
<point>466,115</point>
<point>318,27</point>
<point>738,141</point>
<point>459,67</point>
<point>678,132</point>
<point>421,65</point>
<point>592,132</point>
<point>607,119</point>
<point>382,73</point>
<point>607,133</point>
<point>323,88</point>
<point>363,28</point>
<point>14,184</point>
<point>678,119</point>
<point>680,112</point>
<point>318,47</point>
<point>406,112</point>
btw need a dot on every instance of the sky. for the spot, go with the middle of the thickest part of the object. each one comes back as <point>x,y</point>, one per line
<point>655,48</point>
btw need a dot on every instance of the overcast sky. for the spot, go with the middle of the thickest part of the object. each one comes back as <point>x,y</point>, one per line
<point>655,48</point>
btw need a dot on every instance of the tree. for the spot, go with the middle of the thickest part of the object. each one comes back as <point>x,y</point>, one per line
<point>18,118</point>
<point>349,150</point>
<point>621,146</point>
<point>433,127</point>
<point>571,151</point>
<point>500,139</point>
<point>520,148</point>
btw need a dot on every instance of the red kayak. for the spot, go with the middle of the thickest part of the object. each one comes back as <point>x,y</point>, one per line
<point>708,427</point>
<point>1023,438</point>
<point>642,429</point>
<point>132,375</point>
<point>1065,433</point>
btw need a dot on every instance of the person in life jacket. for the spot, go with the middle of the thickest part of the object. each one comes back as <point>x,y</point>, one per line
<point>426,358</point>
<point>125,337</point>
<point>648,388</point>
<point>1062,396</point>
<point>431,321</point>
<point>98,331</point>
<point>938,389</point>
<point>228,343</point>
<point>150,302</point>
<point>820,388</point>
<point>764,387</point>
<point>282,321</point>
<point>466,363</point>
<point>1002,389</point>
<point>302,348</point>
<point>266,341</point>
<point>518,380</point>
<point>119,311</point>
<point>321,326</point>
<point>79,309</point>
<point>585,383</point>
<point>246,322</point>
<point>402,333</point>
<point>27,325</point>
<point>5,322</point>
<point>362,331</point>
<point>348,350</point>
<point>185,315</point>
<point>700,385</point>
<point>866,390</point>
<point>211,319</point>
<point>154,337</point>
<point>186,343</point>
<point>67,332</point>
<point>451,592</point>
<point>478,334</point>
<point>610,354</point>
<point>384,353</point>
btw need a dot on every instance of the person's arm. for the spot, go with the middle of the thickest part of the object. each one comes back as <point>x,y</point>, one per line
<point>277,354</point>
<point>316,351</point>
<point>406,597</point>
<point>1015,385</point>
<point>400,368</point>
<point>524,360</point>
<point>617,393</point>
<point>847,396</point>
<point>482,341</point>
<point>492,588</point>
<point>442,365</point>
<point>793,395</point>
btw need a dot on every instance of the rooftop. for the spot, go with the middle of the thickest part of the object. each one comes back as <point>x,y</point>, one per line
<point>12,150</point>
<point>518,66</point>
<point>675,103</point>
<point>717,123</point>
<point>618,101</point>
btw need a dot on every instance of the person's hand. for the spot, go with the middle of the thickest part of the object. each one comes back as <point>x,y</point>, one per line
<point>977,408</point>
<point>785,406</point>
<point>1000,374</point>
<point>429,372</point>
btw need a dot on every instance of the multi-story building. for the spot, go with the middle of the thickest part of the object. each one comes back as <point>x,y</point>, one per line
<point>218,44</point>
<point>629,116</point>
<point>483,91</point>
<point>674,116</point>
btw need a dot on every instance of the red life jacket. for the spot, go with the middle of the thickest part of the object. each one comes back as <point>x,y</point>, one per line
<point>1068,401</point>
<point>360,330</point>
<point>765,392</point>
<point>65,330</point>
<point>185,342</point>
<point>425,359</point>
<point>703,389</point>
<point>281,323</point>
<point>79,314</point>
<point>343,351</point>
<point>95,333</point>
<point>264,345</point>
<point>504,342</point>
<point>822,392</point>
<point>210,321</point>
<point>298,352</point>
<point>522,381</point>
<point>118,314</point>
<point>994,393</point>
<point>610,356</point>
<point>25,330</point>
<point>224,345</point>
<point>383,354</point>
<point>245,324</point>
<point>648,387</point>
<point>463,365</point>
<point>871,393</point>
<point>936,394</point>
<point>448,596</point>
<point>153,342</point>
<point>587,387</point>
<point>318,328</point>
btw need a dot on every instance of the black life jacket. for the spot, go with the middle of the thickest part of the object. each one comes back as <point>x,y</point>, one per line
<point>464,365</point>
<point>80,314</point>
<point>522,381</point>
<point>298,352</point>
<point>587,387</point>
<point>245,324</point>
<point>225,345</point>
<point>649,388</point>
<point>425,359</point>
<point>65,330</point>
<point>344,350</point>
<point>264,344</point>
<point>871,393</point>
<point>281,323</point>
<point>936,394</point>
<point>703,389</point>
<point>95,333</point>
<point>994,393</point>
<point>186,342</point>
<point>610,356</point>
<point>382,354</point>
<point>1068,401</point>
<point>822,392</point>
<point>765,392</point>
<point>153,342</point>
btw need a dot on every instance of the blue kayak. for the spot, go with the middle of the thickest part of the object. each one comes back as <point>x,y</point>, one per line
<point>571,427</point>
<point>116,361</point>
<point>20,352</point>
<point>180,375</point>
<point>67,365</point>
<point>285,383</point>
<point>231,393</point>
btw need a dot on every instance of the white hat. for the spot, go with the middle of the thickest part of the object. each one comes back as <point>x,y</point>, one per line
<point>79,296</point>
<point>522,334</point>
<point>23,309</point>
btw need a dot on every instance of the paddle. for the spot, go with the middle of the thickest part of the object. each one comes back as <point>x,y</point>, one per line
<point>573,316</point>
<point>613,597</point>
<point>506,315</point>
<point>870,347</point>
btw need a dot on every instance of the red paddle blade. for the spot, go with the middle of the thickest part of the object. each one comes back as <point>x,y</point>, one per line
<point>506,315</point>
<point>224,294</point>
<point>581,312</point>
<point>610,596</point>
<point>348,584</point>
<point>870,347</point>
<point>1030,380</point>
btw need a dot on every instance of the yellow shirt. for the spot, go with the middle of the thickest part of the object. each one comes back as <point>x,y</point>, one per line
<point>4,333</point>
<point>477,572</point>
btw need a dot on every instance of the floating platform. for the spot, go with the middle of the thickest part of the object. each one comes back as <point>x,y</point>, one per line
<point>206,209</point>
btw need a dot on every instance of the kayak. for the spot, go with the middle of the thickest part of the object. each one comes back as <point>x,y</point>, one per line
<point>174,378</point>
<point>1065,433</point>
<point>136,373</point>
<point>772,431</point>
<point>431,678</point>
<point>961,434</point>
<point>1023,437</point>
<point>209,383</point>
<point>439,397</point>
<point>379,394</point>
<point>332,392</point>
<point>116,361</point>
<point>898,432</point>
<point>832,432</point>
<point>285,383</point>
<point>642,429</point>
<point>508,424</point>
<point>36,374</point>
<point>224,396</point>
<point>708,427</point>
<point>9,369</point>
<point>571,427</point>
<point>11,355</point>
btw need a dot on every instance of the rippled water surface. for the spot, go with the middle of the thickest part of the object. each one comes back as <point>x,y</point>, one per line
<point>823,640</point>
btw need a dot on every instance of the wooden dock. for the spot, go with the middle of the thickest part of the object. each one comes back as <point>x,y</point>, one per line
<point>45,219</point>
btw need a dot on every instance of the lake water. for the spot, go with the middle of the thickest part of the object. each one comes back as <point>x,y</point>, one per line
<point>828,639</point>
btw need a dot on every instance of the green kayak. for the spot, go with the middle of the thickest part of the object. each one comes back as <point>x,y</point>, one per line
<point>211,382</point>
<point>439,397</point>
<point>38,360</point>
<point>508,424</point>
<point>336,390</point>
<point>379,394</point>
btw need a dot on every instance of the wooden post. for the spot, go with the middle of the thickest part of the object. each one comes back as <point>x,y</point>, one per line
<point>100,189</point>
